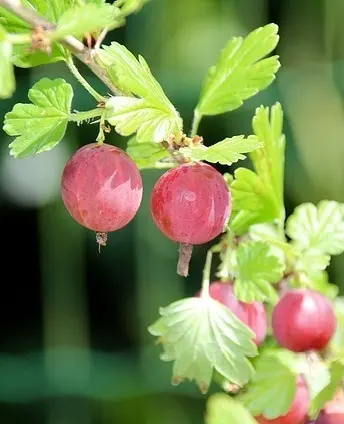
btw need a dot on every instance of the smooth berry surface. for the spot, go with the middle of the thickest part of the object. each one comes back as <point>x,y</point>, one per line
<point>251,314</point>
<point>298,411</point>
<point>101,187</point>
<point>191,203</point>
<point>303,320</point>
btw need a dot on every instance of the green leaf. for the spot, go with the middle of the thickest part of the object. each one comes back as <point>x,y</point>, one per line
<point>149,155</point>
<point>270,234</point>
<point>327,394</point>
<point>23,58</point>
<point>251,195</point>
<point>318,227</point>
<point>258,196</point>
<point>317,376</point>
<point>222,409</point>
<point>257,269</point>
<point>337,341</point>
<point>130,115</point>
<point>130,6</point>
<point>240,72</point>
<point>153,115</point>
<point>40,125</point>
<point>312,262</point>
<point>12,23</point>
<point>7,78</point>
<point>269,161</point>
<point>89,17</point>
<point>50,9</point>
<point>200,335</point>
<point>273,386</point>
<point>320,282</point>
<point>225,152</point>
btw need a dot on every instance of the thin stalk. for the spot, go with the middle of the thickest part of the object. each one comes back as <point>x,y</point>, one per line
<point>185,253</point>
<point>195,123</point>
<point>206,274</point>
<point>20,38</point>
<point>83,116</point>
<point>82,81</point>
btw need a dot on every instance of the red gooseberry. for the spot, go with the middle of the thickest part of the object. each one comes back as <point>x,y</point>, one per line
<point>303,320</point>
<point>101,188</point>
<point>191,204</point>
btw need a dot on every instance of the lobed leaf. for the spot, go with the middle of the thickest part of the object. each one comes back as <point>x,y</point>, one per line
<point>258,196</point>
<point>318,227</point>
<point>200,335</point>
<point>40,125</point>
<point>130,115</point>
<point>152,116</point>
<point>257,269</point>
<point>225,152</point>
<point>240,71</point>
<point>275,378</point>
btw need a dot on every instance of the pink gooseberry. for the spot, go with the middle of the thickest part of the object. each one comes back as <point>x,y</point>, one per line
<point>101,188</point>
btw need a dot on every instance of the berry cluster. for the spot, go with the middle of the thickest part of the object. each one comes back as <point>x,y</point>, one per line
<point>303,320</point>
<point>191,204</point>
<point>102,190</point>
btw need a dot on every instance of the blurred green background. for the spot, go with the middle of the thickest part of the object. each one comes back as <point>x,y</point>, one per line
<point>74,348</point>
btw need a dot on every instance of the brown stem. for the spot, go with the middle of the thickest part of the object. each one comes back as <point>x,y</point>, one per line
<point>101,240</point>
<point>185,252</point>
<point>74,45</point>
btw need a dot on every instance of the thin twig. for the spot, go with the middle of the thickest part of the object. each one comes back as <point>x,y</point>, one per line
<point>74,45</point>
<point>74,70</point>
<point>100,39</point>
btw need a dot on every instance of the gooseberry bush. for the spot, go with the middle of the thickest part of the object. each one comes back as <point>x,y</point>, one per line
<point>266,328</point>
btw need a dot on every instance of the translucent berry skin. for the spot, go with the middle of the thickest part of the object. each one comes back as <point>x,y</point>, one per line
<point>101,187</point>
<point>298,411</point>
<point>251,314</point>
<point>191,203</point>
<point>303,320</point>
<point>333,412</point>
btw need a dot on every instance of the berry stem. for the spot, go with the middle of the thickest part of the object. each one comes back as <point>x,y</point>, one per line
<point>20,38</point>
<point>185,252</point>
<point>195,123</point>
<point>82,81</point>
<point>206,274</point>
<point>84,116</point>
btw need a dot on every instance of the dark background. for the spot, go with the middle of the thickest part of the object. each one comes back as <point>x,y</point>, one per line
<point>74,348</point>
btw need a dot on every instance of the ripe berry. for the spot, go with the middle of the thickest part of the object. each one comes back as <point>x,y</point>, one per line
<point>191,204</point>
<point>101,188</point>
<point>333,411</point>
<point>298,411</point>
<point>303,320</point>
<point>251,314</point>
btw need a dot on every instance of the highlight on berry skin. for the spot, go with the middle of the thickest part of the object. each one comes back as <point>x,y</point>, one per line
<point>191,204</point>
<point>101,188</point>
<point>303,320</point>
